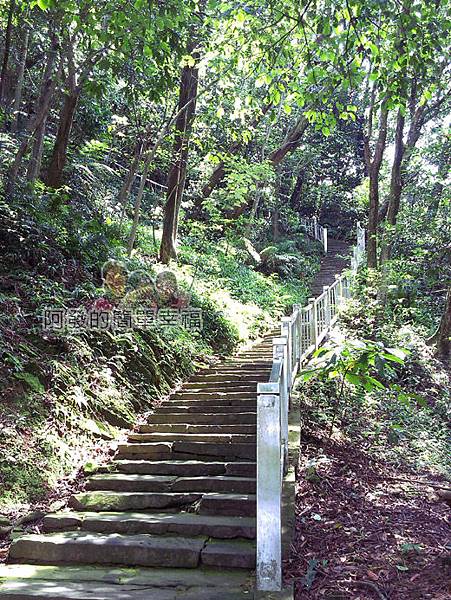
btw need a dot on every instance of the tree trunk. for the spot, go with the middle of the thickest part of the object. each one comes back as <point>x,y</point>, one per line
<point>394,199</point>
<point>137,208</point>
<point>43,104</point>
<point>130,178</point>
<point>19,86</point>
<point>441,337</point>
<point>291,142</point>
<point>297,190</point>
<point>54,174</point>
<point>177,174</point>
<point>275,224</point>
<point>34,164</point>
<point>7,50</point>
<point>374,167</point>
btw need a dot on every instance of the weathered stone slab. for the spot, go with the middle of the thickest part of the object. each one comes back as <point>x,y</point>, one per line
<point>228,504</point>
<point>237,554</point>
<point>235,485</point>
<point>192,437</point>
<point>214,394</point>
<point>212,408</point>
<point>184,524</point>
<point>235,450</point>
<point>131,482</point>
<point>94,548</point>
<point>140,576</point>
<point>205,418</point>
<point>112,501</point>
<point>197,429</point>
<point>175,467</point>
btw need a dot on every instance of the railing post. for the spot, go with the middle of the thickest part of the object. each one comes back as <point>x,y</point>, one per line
<point>286,331</point>
<point>326,291</point>
<point>280,351</point>
<point>314,322</point>
<point>315,227</point>
<point>339,288</point>
<point>325,239</point>
<point>297,328</point>
<point>269,488</point>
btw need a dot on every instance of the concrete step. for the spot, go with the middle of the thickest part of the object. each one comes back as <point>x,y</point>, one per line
<point>140,550</point>
<point>205,418</point>
<point>192,437</point>
<point>170,483</point>
<point>189,428</point>
<point>186,468</point>
<point>184,524</point>
<point>180,450</point>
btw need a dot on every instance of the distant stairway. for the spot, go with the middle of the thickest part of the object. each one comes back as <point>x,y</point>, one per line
<point>334,262</point>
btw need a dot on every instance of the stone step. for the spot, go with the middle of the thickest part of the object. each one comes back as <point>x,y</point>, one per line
<point>25,582</point>
<point>222,386</point>
<point>184,524</point>
<point>71,590</point>
<point>170,483</point>
<point>216,418</point>
<point>188,450</point>
<point>184,396</point>
<point>189,428</point>
<point>231,374</point>
<point>140,550</point>
<point>225,402</point>
<point>226,504</point>
<point>191,437</point>
<point>196,407</point>
<point>242,505</point>
<point>110,501</point>
<point>186,468</point>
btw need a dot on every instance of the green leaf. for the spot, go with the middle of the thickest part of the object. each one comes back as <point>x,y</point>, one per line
<point>354,379</point>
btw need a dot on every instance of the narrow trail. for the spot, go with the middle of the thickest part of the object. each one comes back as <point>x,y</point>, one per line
<point>173,515</point>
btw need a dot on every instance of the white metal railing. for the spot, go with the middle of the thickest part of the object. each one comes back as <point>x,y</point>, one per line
<point>315,230</point>
<point>301,334</point>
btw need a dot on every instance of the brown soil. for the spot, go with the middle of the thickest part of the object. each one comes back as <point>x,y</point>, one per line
<point>377,532</point>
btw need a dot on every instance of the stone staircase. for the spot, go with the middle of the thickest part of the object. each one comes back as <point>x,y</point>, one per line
<point>172,516</point>
<point>335,261</point>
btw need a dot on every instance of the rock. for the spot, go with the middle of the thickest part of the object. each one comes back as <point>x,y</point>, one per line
<point>30,518</point>
<point>251,252</point>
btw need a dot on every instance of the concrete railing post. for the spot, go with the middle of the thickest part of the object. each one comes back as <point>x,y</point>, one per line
<point>325,239</point>
<point>314,322</point>
<point>327,311</point>
<point>280,351</point>
<point>286,331</point>
<point>269,488</point>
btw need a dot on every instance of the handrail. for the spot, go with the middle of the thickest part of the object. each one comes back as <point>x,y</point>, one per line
<point>315,230</point>
<point>301,334</point>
